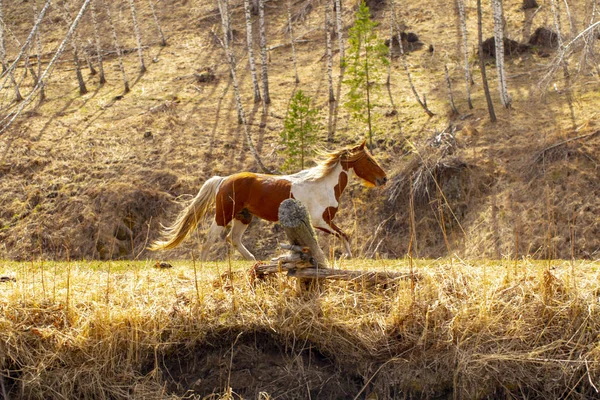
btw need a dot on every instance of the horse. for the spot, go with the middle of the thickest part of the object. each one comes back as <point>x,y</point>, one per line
<point>241,196</point>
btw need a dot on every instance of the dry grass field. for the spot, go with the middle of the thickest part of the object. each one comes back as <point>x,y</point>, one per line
<point>93,177</point>
<point>492,329</point>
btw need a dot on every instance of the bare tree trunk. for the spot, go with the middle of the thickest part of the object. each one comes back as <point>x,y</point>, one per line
<point>163,41</point>
<point>422,103</point>
<point>590,40</point>
<point>18,96</point>
<point>61,48</point>
<point>390,47</point>
<point>23,52</point>
<point>486,88</point>
<point>499,42</point>
<point>97,42</point>
<point>463,26</point>
<point>69,21</point>
<point>251,59</point>
<point>452,105</point>
<point>263,51</point>
<point>138,36</point>
<point>340,30</point>
<point>117,46</point>
<point>39,52</point>
<point>2,41</point>
<point>226,27</point>
<point>329,52</point>
<point>290,27</point>
<point>557,25</point>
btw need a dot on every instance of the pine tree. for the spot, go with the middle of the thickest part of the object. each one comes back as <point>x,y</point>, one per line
<point>366,56</point>
<point>299,132</point>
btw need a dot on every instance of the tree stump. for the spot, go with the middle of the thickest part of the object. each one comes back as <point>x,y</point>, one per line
<point>296,223</point>
<point>305,259</point>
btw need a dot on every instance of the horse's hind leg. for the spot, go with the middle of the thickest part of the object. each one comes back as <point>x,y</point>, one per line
<point>214,232</point>
<point>235,237</point>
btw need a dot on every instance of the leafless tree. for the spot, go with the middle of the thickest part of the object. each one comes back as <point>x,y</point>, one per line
<point>329,52</point>
<point>68,20</point>
<point>2,40</point>
<point>97,41</point>
<point>226,27</point>
<point>38,42</point>
<point>251,59</point>
<point>463,27</point>
<point>263,51</point>
<point>8,120</point>
<point>163,41</point>
<point>291,29</point>
<point>499,43</point>
<point>340,30</point>
<point>117,45</point>
<point>18,96</point>
<point>422,103</point>
<point>449,84</point>
<point>138,36</point>
<point>486,88</point>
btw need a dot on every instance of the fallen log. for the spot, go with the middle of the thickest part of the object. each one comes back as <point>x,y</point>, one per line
<point>305,259</point>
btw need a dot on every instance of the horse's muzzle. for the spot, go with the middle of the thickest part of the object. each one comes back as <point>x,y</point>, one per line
<point>381,181</point>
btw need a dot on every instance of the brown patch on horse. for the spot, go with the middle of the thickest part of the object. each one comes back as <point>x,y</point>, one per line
<point>339,188</point>
<point>258,194</point>
<point>328,216</point>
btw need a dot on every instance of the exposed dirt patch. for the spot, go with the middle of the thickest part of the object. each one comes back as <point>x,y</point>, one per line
<point>253,362</point>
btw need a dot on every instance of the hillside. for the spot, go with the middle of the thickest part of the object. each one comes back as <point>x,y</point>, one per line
<point>94,176</point>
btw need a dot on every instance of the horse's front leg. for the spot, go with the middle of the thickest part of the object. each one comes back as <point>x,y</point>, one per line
<point>335,230</point>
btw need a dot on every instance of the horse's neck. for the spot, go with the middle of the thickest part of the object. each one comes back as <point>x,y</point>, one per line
<point>330,180</point>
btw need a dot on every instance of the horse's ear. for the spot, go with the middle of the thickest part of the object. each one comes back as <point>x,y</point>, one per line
<point>362,145</point>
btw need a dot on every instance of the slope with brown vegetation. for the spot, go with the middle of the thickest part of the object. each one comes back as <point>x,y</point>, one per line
<point>93,176</point>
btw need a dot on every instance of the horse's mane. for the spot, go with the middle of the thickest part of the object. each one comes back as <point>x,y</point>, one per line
<point>330,161</point>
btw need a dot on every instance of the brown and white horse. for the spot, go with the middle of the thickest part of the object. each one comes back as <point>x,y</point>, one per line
<point>240,196</point>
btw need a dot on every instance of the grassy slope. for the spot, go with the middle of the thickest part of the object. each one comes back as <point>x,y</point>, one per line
<point>93,176</point>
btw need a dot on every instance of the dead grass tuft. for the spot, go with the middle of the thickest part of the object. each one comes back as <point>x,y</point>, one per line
<point>126,330</point>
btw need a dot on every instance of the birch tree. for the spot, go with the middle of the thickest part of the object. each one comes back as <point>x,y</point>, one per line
<point>422,103</point>
<point>463,27</point>
<point>263,51</point>
<point>8,120</point>
<point>291,29</point>
<point>226,27</point>
<point>111,23</point>
<point>251,59</point>
<point>38,42</point>
<point>486,88</point>
<point>340,30</point>
<point>97,41</point>
<point>2,40</point>
<point>499,43</point>
<point>18,96</point>
<point>138,36</point>
<point>329,52</point>
<point>67,17</point>
<point>163,41</point>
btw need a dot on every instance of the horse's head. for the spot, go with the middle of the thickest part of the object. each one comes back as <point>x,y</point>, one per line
<point>365,166</point>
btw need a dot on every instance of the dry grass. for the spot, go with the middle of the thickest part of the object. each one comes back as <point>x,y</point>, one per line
<point>126,330</point>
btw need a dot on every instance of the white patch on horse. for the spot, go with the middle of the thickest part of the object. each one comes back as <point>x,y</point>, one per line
<point>316,195</point>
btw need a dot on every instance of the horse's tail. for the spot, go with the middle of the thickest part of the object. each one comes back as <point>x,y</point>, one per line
<point>189,218</point>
